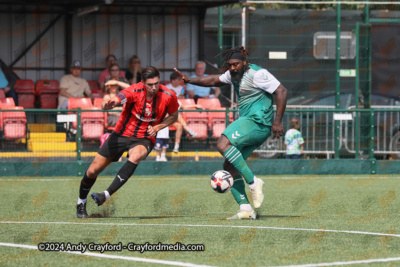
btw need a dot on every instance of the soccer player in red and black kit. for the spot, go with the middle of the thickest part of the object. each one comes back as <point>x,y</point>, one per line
<point>146,106</point>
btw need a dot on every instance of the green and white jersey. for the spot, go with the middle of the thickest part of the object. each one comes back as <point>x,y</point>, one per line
<point>254,93</point>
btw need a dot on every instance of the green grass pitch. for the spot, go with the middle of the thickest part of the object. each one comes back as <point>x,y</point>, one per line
<point>303,220</point>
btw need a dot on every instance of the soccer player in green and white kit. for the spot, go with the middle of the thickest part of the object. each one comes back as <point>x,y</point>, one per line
<point>254,87</point>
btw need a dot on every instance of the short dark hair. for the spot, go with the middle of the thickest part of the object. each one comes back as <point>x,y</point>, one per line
<point>174,76</point>
<point>150,72</point>
<point>294,123</point>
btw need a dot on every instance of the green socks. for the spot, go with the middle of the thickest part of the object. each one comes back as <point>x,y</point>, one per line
<point>234,156</point>
<point>239,190</point>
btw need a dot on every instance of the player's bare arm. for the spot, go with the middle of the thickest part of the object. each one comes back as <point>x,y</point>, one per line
<point>206,81</point>
<point>281,95</point>
<point>111,103</point>
<point>152,131</point>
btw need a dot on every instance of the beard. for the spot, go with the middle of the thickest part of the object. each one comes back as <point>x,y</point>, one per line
<point>236,75</point>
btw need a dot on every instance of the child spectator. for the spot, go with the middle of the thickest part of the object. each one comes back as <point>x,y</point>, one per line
<point>293,140</point>
<point>112,90</point>
<point>176,84</point>
<point>162,143</point>
<point>180,124</point>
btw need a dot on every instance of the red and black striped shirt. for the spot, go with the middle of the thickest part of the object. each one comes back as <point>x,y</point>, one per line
<point>139,113</point>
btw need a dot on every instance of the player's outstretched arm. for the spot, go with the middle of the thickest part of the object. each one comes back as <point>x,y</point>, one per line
<point>111,103</point>
<point>206,81</point>
<point>281,95</point>
<point>152,131</point>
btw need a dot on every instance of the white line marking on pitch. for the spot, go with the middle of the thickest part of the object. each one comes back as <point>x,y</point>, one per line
<point>174,263</point>
<point>205,225</point>
<point>342,263</point>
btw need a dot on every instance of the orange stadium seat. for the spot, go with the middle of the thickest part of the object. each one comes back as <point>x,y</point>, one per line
<point>26,93</point>
<point>14,123</point>
<point>9,101</point>
<point>5,103</point>
<point>209,103</point>
<point>216,120</point>
<point>97,104</point>
<point>92,122</point>
<point>47,90</point>
<point>2,95</point>
<point>197,121</point>
<point>94,86</point>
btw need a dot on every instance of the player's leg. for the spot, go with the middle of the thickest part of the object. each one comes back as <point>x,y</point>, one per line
<point>138,151</point>
<point>237,143</point>
<point>238,191</point>
<point>233,155</point>
<point>178,134</point>
<point>98,165</point>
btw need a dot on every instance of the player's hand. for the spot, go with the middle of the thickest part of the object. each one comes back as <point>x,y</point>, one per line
<point>277,130</point>
<point>183,76</point>
<point>110,104</point>
<point>151,131</point>
<point>111,82</point>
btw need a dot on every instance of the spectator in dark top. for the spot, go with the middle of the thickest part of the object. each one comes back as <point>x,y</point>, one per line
<point>134,72</point>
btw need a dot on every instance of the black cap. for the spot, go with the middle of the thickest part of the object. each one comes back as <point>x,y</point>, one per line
<point>76,64</point>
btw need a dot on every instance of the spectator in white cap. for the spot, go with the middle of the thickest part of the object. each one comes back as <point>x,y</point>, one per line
<point>71,85</point>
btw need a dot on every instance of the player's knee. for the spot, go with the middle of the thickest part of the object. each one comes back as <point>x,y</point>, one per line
<point>223,144</point>
<point>136,158</point>
<point>92,172</point>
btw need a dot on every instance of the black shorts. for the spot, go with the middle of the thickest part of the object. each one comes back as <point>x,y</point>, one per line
<point>116,145</point>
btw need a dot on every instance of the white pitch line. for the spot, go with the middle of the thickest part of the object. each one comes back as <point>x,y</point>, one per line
<point>337,263</point>
<point>205,225</point>
<point>174,263</point>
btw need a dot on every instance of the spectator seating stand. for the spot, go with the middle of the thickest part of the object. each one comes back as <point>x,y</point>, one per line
<point>47,91</point>
<point>26,93</point>
<point>92,122</point>
<point>12,123</point>
<point>216,120</point>
<point>197,121</point>
<point>94,86</point>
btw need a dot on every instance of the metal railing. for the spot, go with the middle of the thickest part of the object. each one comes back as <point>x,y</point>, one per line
<point>60,135</point>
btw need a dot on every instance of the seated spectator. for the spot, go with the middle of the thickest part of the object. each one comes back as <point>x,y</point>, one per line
<point>114,71</point>
<point>105,74</point>
<point>180,123</point>
<point>71,85</point>
<point>195,91</point>
<point>134,72</point>
<point>176,84</point>
<point>112,90</point>
<point>7,87</point>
